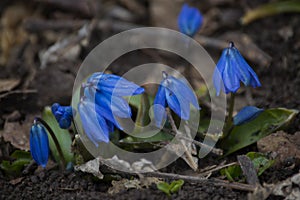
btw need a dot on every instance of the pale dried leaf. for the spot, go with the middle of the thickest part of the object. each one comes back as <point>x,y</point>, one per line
<point>91,167</point>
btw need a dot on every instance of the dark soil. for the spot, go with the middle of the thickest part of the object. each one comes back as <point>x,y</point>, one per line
<point>59,185</point>
<point>280,88</point>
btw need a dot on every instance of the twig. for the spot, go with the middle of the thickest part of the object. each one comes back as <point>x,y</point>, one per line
<point>211,42</point>
<point>189,158</point>
<point>217,168</point>
<point>193,179</point>
<point>196,179</point>
<point>37,25</point>
<point>214,150</point>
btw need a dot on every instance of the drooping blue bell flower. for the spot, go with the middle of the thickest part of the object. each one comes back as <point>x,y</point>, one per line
<point>63,115</point>
<point>232,69</point>
<point>247,114</point>
<point>176,94</point>
<point>102,102</point>
<point>39,144</point>
<point>189,20</point>
<point>94,125</point>
<point>107,91</point>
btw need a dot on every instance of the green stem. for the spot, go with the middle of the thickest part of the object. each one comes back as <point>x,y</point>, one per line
<point>229,122</point>
<point>50,131</point>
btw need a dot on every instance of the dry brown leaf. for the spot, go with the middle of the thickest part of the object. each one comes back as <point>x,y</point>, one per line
<point>18,134</point>
<point>8,84</point>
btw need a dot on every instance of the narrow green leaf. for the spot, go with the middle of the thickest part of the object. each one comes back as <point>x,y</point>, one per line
<point>266,123</point>
<point>63,136</point>
<point>269,9</point>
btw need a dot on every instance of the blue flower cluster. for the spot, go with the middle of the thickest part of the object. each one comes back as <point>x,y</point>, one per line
<point>103,100</point>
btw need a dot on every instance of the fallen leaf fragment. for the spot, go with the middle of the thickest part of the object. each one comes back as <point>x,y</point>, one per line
<point>91,167</point>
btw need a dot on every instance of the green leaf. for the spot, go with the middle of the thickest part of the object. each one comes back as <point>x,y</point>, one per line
<point>63,136</point>
<point>266,123</point>
<point>165,187</point>
<point>174,187</point>
<point>18,154</point>
<point>259,160</point>
<point>15,168</point>
<point>269,9</point>
<point>233,173</point>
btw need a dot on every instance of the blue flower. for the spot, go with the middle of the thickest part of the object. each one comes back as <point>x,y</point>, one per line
<point>189,20</point>
<point>94,125</point>
<point>103,100</point>
<point>231,70</point>
<point>63,115</point>
<point>107,91</point>
<point>39,144</point>
<point>177,95</point>
<point>248,113</point>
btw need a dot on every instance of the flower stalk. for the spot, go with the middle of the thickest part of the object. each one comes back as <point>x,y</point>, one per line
<point>229,120</point>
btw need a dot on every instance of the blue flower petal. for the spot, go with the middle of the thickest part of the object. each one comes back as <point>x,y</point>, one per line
<point>96,130</point>
<point>159,106</point>
<point>180,107</point>
<point>183,91</point>
<point>116,85</point>
<point>110,126</point>
<point>106,113</point>
<point>55,107</point>
<point>247,114</point>
<point>230,77</point>
<point>240,66</point>
<point>117,105</point>
<point>39,144</point>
